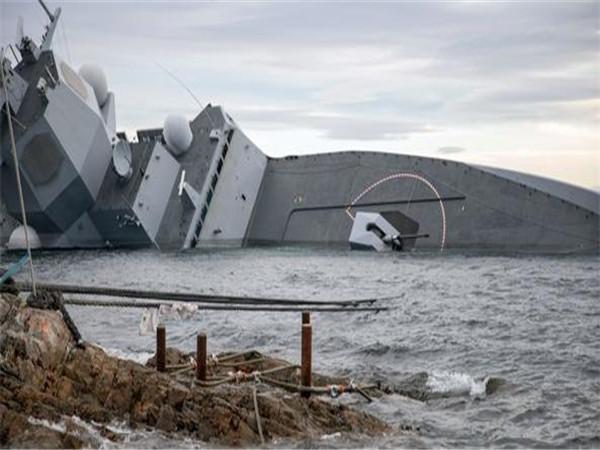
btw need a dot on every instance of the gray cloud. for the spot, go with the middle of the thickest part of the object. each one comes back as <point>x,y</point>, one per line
<point>351,70</point>
<point>334,127</point>
<point>450,150</point>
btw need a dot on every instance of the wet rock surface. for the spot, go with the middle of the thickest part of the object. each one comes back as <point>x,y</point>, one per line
<point>9,285</point>
<point>47,380</point>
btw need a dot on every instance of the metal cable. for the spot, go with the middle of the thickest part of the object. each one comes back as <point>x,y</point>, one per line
<point>190,297</point>
<point>257,308</point>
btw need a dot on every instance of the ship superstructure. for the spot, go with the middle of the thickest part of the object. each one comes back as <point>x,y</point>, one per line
<point>205,183</point>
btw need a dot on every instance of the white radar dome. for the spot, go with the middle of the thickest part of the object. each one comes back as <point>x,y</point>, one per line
<point>177,134</point>
<point>16,241</point>
<point>94,75</point>
<point>121,159</point>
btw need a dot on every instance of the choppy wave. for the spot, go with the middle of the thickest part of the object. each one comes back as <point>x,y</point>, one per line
<point>75,426</point>
<point>139,357</point>
<point>55,426</point>
<point>91,433</point>
<point>455,383</point>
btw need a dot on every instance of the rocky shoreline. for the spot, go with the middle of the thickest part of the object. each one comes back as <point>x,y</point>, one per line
<point>51,390</point>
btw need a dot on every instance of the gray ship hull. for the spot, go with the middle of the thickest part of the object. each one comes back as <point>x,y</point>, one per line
<point>305,200</point>
<point>7,225</point>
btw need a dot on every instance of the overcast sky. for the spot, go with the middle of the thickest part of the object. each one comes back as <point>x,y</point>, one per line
<point>513,85</point>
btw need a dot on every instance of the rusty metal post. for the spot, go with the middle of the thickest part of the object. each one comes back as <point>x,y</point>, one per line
<point>305,317</point>
<point>201,357</point>
<point>161,348</point>
<point>306,363</point>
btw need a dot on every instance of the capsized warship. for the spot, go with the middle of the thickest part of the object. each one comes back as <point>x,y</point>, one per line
<point>204,183</point>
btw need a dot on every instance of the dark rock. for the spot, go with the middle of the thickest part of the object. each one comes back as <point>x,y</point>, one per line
<point>9,286</point>
<point>493,384</point>
<point>53,300</point>
<point>166,419</point>
<point>413,386</point>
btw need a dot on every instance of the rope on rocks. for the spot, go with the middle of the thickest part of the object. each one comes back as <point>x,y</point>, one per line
<point>240,376</point>
<point>296,387</point>
<point>241,363</point>
<point>220,359</point>
<point>362,392</point>
<point>257,413</point>
<point>178,369</point>
<point>333,390</point>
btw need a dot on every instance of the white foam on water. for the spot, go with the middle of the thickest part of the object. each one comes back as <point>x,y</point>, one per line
<point>455,383</point>
<point>138,357</point>
<point>327,437</point>
<point>118,427</point>
<point>101,441</point>
<point>88,428</point>
<point>60,427</point>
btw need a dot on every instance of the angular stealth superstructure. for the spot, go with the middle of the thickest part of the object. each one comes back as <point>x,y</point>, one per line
<point>205,183</point>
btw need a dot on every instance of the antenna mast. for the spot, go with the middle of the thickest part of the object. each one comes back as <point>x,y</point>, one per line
<point>50,15</point>
<point>47,39</point>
